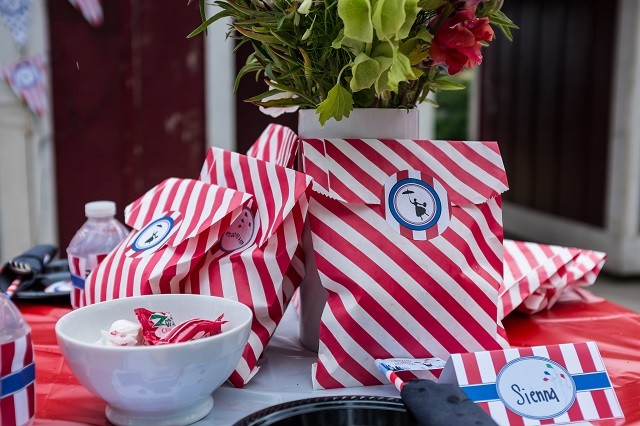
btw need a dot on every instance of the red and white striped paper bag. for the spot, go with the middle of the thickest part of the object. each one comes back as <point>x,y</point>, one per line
<point>277,144</point>
<point>17,382</point>
<point>176,225</point>
<point>408,243</point>
<point>259,266</point>
<point>536,276</point>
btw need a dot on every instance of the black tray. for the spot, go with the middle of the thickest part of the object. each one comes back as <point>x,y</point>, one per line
<point>336,411</point>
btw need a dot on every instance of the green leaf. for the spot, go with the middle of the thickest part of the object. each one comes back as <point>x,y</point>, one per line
<point>431,4</point>
<point>365,72</point>
<point>202,27</point>
<point>411,10</point>
<point>382,83</point>
<point>499,18</point>
<point>352,45</point>
<point>400,71</point>
<point>337,105</point>
<point>444,84</point>
<point>356,16</point>
<point>416,48</point>
<point>388,17</point>
<point>250,66</point>
<point>364,98</point>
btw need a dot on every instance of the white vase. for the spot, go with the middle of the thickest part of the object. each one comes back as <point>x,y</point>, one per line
<point>366,123</point>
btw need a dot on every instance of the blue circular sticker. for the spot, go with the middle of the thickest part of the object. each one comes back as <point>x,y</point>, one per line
<point>153,234</point>
<point>536,388</point>
<point>414,204</point>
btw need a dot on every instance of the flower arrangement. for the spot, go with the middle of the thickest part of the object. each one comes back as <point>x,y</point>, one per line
<point>334,55</point>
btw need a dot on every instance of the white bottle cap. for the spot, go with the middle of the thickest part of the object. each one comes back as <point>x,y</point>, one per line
<point>100,209</point>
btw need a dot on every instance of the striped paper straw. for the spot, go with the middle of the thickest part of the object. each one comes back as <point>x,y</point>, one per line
<point>12,288</point>
<point>390,374</point>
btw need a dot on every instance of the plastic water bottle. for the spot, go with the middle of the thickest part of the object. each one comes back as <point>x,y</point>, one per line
<point>100,234</point>
<point>17,373</point>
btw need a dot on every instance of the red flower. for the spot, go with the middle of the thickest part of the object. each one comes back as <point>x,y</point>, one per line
<point>457,42</point>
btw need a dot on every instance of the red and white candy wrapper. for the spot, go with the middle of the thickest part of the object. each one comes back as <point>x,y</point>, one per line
<point>155,325</point>
<point>193,329</point>
<point>536,276</point>
<point>176,226</point>
<point>408,242</point>
<point>122,333</point>
<point>17,382</point>
<point>257,262</point>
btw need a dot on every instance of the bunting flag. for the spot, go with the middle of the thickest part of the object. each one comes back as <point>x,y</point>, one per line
<point>90,9</point>
<point>27,79</point>
<point>15,15</point>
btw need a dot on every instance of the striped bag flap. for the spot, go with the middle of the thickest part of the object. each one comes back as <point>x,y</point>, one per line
<point>192,206</point>
<point>356,170</point>
<point>276,190</point>
<point>277,144</point>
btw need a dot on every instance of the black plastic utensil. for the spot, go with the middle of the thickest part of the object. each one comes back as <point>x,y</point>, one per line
<point>435,404</point>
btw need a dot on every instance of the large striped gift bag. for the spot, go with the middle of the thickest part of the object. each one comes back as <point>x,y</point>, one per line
<point>17,382</point>
<point>261,266</point>
<point>408,242</point>
<point>536,276</point>
<point>176,224</point>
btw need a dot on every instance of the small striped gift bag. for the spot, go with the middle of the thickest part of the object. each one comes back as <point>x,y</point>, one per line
<point>408,243</point>
<point>261,264</point>
<point>17,382</point>
<point>176,224</point>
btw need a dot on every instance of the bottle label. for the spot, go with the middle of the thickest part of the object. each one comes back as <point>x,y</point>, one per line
<point>17,382</point>
<point>80,268</point>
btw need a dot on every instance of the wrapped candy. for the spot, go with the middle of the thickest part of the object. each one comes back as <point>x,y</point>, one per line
<point>123,333</point>
<point>192,330</point>
<point>159,328</point>
<point>155,325</point>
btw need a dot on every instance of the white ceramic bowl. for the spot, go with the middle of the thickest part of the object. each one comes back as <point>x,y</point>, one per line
<point>159,385</point>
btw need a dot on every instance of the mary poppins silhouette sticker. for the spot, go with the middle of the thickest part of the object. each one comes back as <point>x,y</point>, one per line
<point>153,236</point>
<point>416,205</point>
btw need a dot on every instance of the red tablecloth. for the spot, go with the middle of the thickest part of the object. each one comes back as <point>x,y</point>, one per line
<point>61,400</point>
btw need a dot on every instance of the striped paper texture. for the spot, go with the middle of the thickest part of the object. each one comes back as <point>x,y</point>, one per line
<point>17,382</point>
<point>277,144</point>
<point>80,267</point>
<point>536,275</point>
<point>581,360</point>
<point>192,216</point>
<point>391,296</point>
<point>265,274</point>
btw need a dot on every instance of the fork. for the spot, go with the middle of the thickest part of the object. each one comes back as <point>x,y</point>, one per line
<point>33,260</point>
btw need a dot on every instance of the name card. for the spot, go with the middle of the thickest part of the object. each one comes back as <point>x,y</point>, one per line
<point>538,385</point>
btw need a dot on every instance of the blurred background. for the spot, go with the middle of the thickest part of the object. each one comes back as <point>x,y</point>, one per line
<point>123,100</point>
